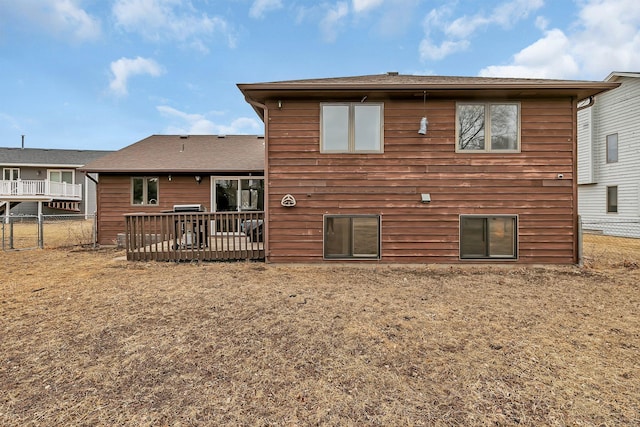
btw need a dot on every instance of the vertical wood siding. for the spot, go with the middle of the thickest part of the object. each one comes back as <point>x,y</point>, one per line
<point>390,184</point>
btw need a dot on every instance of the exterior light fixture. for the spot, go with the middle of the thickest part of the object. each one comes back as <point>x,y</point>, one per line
<point>423,121</point>
<point>198,178</point>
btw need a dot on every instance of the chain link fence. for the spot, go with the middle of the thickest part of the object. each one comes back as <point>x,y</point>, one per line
<point>21,232</point>
<point>610,243</point>
<point>604,243</point>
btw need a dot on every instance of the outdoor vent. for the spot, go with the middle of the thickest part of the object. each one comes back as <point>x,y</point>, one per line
<point>392,73</point>
<point>222,136</point>
<point>184,136</point>
<point>188,208</point>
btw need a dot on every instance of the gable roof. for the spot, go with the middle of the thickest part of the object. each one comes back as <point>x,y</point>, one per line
<point>47,157</point>
<point>615,75</point>
<point>185,154</point>
<point>403,85</point>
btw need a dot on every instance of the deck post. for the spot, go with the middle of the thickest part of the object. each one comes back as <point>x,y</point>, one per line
<point>40,226</point>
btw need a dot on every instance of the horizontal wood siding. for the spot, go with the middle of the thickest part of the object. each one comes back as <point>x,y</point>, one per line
<point>114,200</point>
<point>390,184</point>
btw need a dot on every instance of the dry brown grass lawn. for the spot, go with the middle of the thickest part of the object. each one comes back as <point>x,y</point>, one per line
<point>90,339</point>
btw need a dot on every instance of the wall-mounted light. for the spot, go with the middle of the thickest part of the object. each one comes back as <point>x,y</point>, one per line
<point>279,104</point>
<point>198,179</point>
<point>425,198</point>
<point>169,177</point>
<point>423,121</point>
<point>423,126</point>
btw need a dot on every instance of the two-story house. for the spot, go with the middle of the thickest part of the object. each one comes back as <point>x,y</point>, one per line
<point>37,180</point>
<point>609,159</point>
<point>403,168</point>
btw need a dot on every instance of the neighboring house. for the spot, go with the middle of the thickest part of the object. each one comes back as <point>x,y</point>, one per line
<point>46,181</point>
<point>353,171</point>
<point>609,159</point>
<point>220,173</point>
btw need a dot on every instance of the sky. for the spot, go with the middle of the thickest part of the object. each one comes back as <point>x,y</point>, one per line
<point>103,74</point>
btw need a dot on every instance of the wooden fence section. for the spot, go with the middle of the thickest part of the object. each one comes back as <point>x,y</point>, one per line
<point>189,236</point>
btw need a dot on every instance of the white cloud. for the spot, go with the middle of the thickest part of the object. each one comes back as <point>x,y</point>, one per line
<point>364,5</point>
<point>161,20</point>
<point>199,124</point>
<point>456,33</point>
<point>604,38</point>
<point>60,17</point>
<point>124,68</point>
<point>260,7</point>
<point>332,21</point>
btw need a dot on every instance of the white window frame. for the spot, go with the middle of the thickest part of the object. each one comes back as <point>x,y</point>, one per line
<point>61,171</point>
<point>352,126</point>
<point>145,190</point>
<point>11,172</point>
<point>612,139</point>
<point>487,127</point>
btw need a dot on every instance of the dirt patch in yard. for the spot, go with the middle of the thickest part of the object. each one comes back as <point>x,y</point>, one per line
<point>90,339</point>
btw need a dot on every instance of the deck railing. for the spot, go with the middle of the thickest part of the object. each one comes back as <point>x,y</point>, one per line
<point>35,188</point>
<point>195,236</point>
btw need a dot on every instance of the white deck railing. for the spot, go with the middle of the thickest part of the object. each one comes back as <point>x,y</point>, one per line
<point>30,188</point>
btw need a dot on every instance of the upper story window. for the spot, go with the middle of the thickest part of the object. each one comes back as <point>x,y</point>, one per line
<point>488,126</point>
<point>612,148</point>
<point>144,190</point>
<point>351,127</point>
<point>11,174</point>
<point>61,176</point>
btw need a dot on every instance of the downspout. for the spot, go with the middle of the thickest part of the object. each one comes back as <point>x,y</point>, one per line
<point>95,214</point>
<point>265,119</point>
<point>574,186</point>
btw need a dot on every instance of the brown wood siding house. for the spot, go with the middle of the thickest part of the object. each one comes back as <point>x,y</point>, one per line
<point>173,162</point>
<point>413,197</point>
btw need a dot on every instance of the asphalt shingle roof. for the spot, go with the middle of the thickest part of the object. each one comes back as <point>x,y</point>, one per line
<point>48,157</point>
<point>186,154</point>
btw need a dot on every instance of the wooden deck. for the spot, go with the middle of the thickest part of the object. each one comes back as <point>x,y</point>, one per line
<point>201,236</point>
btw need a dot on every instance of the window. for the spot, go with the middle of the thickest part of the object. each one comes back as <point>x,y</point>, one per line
<point>61,176</point>
<point>351,128</point>
<point>144,190</point>
<point>238,194</point>
<point>11,174</point>
<point>612,148</point>
<point>477,123</point>
<point>612,199</point>
<point>486,237</point>
<point>356,236</point>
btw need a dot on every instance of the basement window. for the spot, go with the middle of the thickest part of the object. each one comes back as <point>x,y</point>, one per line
<point>352,237</point>
<point>488,237</point>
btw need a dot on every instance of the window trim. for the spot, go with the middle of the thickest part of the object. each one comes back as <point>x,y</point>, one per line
<point>515,243</point>
<point>377,256</point>
<point>609,205</point>
<point>239,178</point>
<point>61,171</point>
<point>617,146</point>
<point>11,171</point>
<point>145,191</point>
<point>487,127</point>
<point>351,149</point>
